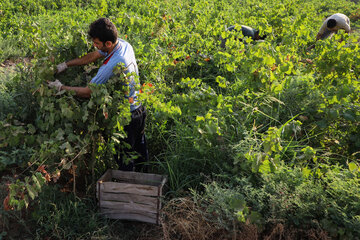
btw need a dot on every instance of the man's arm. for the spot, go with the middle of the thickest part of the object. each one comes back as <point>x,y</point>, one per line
<point>88,58</point>
<point>83,92</point>
<point>322,30</point>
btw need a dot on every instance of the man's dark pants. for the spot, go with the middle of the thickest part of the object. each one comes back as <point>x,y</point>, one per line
<point>136,139</point>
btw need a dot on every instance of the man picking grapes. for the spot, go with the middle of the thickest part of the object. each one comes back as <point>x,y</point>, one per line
<point>332,24</point>
<point>114,51</point>
<point>246,31</point>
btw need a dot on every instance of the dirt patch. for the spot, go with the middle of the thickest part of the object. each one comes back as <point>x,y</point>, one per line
<point>181,219</point>
<point>7,64</point>
<point>10,63</point>
<point>184,220</point>
<point>12,223</point>
<point>280,231</point>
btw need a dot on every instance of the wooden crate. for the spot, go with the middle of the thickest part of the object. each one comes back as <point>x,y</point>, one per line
<point>130,195</point>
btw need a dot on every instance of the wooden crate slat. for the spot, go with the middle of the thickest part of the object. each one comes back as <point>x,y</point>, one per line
<point>128,206</point>
<point>129,215</point>
<point>145,190</point>
<point>125,197</point>
<point>140,182</point>
<point>118,211</point>
<point>163,181</point>
<point>134,217</point>
<point>105,177</point>
<point>137,176</point>
<point>160,191</point>
<point>130,195</point>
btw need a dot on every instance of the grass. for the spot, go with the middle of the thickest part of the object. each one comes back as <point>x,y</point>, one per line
<point>7,72</point>
<point>9,50</point>
<point>189,149</point>
<point>60,215</point>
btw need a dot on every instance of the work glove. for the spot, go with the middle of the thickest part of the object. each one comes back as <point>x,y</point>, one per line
<point>55,84</point>
<point>61,67</point>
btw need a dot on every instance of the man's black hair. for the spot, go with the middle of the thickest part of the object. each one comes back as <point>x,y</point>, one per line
<point>104,30</point>
<point>331,23</point>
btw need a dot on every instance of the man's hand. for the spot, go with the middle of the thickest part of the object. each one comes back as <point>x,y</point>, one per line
<point>56,84</point>
<point>61,67</point>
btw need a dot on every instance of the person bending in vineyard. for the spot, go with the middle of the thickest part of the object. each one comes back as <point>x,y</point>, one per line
<point>246,31</point>
<point>332,24</point>
<point>114,51</point>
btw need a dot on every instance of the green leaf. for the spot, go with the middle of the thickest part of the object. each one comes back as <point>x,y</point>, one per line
<point>32,192</point>
<point>349,116</point>
<point>222,81</point>
<point>240,216</point>
<point>199,118</point>
<point>90,103</point>
<point>267,147</point>
<point>265,166</point>
<point>306,172</point>
<point>26,201</point>
<point>93,128</point>
<point>31,129</point>
<point>268,60</point>
<point>36,182</point>
<point>255,218</point>
<point>353,167</point>
<point>238,203</point>
<point>66,112</point>
<point>286,68</point>
<point>230,68</point>
<point>67,166</point>
<point>60,134</point>
<point>40,178</point>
